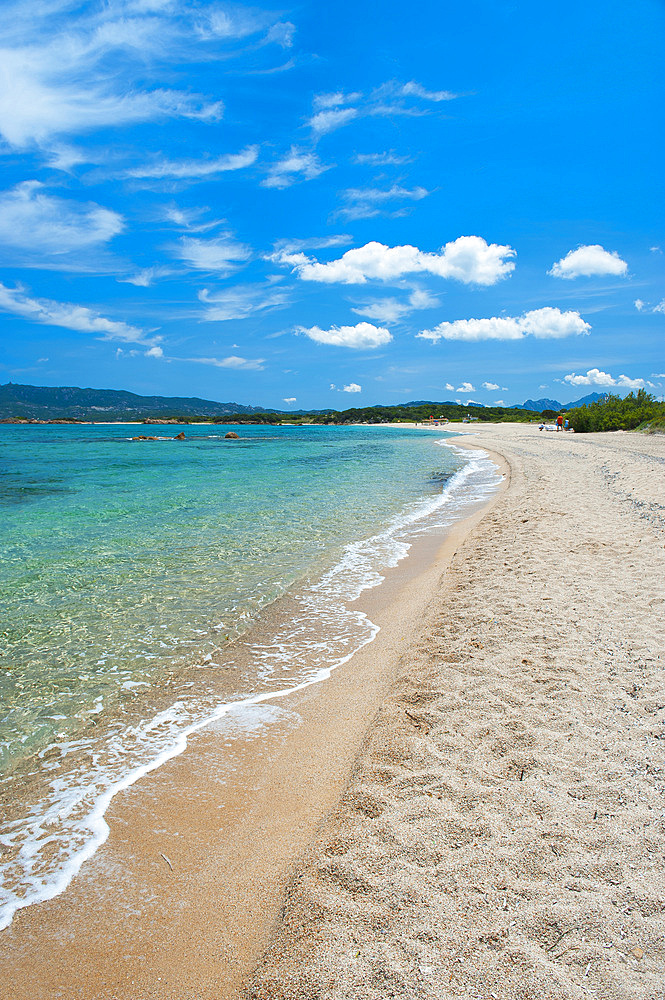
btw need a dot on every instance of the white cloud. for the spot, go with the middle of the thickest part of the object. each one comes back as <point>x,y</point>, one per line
<point>639,305</point>
<point>416,90</point>
<point>465,388</point>
<point>145,277</point>
<point>364,203</point>
<point>285,247</point>
<point>660,308</point>
<point>387,159</point>
<point>361,336</point>
<point>154,352</point>
<point>352,387</point>
<point>239,364</point>
<point>295,166</point>
<point>596,377</point>
<point>290,399</point>
<point>68,67</point>
<point>490,386</point>
<point>391,310</point>
<point>448,387</point>
<point>468,259</point>
<point>499,402</point>
<point>32,220</point>
<point>240,302</point>
<point>221,254</point>
<point>335,100</point>
<point>70,317</point>
<point>589,261</point>
<point>193,169</point>
<point>40,100</point>
<point>328,121</point>
<point>546,323</point>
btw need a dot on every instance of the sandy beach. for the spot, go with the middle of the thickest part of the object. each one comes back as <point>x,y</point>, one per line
<point>471,807</point>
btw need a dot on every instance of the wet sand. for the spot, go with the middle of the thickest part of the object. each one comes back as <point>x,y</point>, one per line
<point>472,807</point>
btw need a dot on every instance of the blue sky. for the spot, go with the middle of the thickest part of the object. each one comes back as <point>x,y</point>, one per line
<point>333,205</point>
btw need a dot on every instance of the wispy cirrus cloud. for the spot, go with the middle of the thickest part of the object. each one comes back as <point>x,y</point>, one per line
<point>70,316</point>
<point>548,323</point>
<point>195,169</point>
<point>241,302</point>
<point>328,121</point>
<point>146,276</point>
<point>468,259</point>
<point>233,361</point>
<point>50,230</point>
<point>365,203</point>
<point>391,310</point>
<point>297,165</point>
<point>221,254</point>
<point>385,159</point>
<point>55,77</point>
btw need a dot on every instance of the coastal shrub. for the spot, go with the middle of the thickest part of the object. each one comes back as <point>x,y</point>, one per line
<point>612,413</point>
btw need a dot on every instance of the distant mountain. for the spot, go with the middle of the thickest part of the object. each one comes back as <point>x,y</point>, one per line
<point>553,404</point>
<point>539,405</point>
<point>67,402</point>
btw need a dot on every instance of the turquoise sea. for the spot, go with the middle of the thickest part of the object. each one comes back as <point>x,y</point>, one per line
<point>140,590</point>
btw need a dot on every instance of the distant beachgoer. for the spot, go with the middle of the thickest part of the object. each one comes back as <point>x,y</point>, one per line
<point>566,425</point>
<point>559,423</point>
<point>541,426</point>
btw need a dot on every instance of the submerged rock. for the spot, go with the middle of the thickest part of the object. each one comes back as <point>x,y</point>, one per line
<point>180,436</point>
<point>231,434</point>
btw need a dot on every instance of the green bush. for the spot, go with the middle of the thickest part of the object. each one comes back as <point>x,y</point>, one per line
<point>612,413</point>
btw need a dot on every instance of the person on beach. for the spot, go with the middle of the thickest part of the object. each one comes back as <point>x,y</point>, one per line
<point>559,423</point>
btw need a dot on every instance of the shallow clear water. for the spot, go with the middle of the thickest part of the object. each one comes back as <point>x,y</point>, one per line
<point>126,564</point>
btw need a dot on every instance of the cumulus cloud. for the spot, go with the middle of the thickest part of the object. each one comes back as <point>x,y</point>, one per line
<point>297,165</point>
<point>352,387</point>
<point>240,302</point>
<point>32,220</point>
<point>465,388</point>
<point>597,377</point>
<point>490,386</point>
<point>639,305</point>
<point>221,254</point>
<point>391,310</point>
<point>70,317</point>
<point>468,259</point>
<point>360,336</point>
<point>589,261</point>
<point>290,399</point>
<point>546,323</point>
<point>645,307</point>
<point>195,169</point>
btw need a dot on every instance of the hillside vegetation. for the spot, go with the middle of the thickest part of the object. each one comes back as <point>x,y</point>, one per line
<point>616,414</point>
